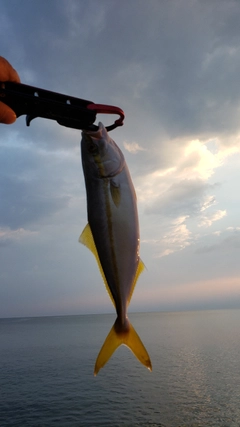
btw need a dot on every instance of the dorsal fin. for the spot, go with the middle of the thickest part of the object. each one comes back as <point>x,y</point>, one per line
<point>86,239</point>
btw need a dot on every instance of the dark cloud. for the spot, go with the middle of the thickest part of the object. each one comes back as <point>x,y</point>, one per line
<point>4,242</point>
<point>25,203</point>
<point>175,63</point>
<point>32,187</point>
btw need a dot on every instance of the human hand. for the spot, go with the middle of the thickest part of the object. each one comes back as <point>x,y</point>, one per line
<point>7,73</point>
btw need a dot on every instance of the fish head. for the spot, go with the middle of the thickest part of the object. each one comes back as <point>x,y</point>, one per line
<point>100,153</point>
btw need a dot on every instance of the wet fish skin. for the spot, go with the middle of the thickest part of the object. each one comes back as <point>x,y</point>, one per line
<point>112,234</point>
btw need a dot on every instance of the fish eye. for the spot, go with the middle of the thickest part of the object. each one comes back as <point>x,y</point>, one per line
<point>92,148</point>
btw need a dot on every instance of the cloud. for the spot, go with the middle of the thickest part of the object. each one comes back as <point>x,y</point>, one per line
<point>23,204</point>
<point>198,160</point>
<point>217,233</point>
<point>183,190</point>
<point>8,236</point>
<point>207,221</point>
<point>230,242</point>
<point>181,82</point>
<point>208,202</point>
<point>182,197</point>
<point>183,187</point>
<point>235,229</point>
<point>178,238</point>
<point>173,237</point>
<point>219,292</point>
<point>174,69</point>
<point>133,147</point>
<point>32,185</point>
<point>135,78</point>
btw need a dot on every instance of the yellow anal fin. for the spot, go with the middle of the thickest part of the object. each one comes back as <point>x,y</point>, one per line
<point>116,338</point>
<point>86,239</point>
<point>140,269</point>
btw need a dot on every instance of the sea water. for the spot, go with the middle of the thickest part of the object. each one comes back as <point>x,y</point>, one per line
<point>46,372</point>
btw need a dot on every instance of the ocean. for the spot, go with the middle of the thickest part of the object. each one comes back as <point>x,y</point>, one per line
<point>47,363</point>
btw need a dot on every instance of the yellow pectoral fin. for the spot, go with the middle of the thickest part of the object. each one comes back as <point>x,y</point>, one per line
<point>140,269</point>
<point>86,239</point>
<point>115,192</point>
<point>129,338</point>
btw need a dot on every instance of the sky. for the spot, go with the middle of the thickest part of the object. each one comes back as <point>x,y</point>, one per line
<point>173,67</point>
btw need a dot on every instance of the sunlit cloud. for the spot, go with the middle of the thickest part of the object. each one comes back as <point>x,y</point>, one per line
<point>182,193</point>
<point>233,228</point>
<point>192,167</point>
<point>217,233</point>
<point>173,237</point>
<point>133,147</point>
<point>198,161</point>
<point>208,202</point>
<point>207,221</point>
<point>201,158</point>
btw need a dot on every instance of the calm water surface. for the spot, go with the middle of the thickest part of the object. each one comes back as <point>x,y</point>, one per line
<point>46,372</point>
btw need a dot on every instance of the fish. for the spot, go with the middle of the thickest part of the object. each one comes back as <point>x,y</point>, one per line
<point>112,235</point>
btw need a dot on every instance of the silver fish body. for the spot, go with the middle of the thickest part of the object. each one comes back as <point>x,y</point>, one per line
<point>112,234</point>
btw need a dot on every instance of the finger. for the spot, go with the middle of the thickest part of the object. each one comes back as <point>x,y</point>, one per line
<point>7,115</point>
<point>7,72</point>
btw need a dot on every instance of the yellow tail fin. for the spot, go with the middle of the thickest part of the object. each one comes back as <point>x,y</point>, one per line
<point>118,336</point>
